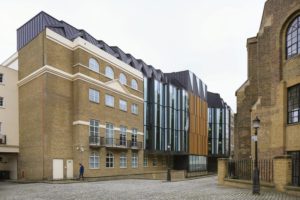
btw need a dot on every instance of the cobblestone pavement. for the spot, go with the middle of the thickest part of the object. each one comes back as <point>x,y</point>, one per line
<point>203,188</point>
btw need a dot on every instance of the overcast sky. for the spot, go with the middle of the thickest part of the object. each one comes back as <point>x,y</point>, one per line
<point>206,37</point>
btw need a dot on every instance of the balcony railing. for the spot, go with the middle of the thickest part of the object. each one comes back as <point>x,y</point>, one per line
<point>2,139</point>
<point>96,141</point>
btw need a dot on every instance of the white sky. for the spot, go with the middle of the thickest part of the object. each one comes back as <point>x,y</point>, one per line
<point>206,37</point>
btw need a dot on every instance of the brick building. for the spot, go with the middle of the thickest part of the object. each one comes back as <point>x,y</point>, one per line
<point>83,101</point>
<point>272,89</point>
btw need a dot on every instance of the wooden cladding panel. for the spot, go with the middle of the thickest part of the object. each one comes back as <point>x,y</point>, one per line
<point>198,136</point>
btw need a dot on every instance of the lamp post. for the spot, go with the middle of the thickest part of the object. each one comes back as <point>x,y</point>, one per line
<point>169,166</point>
<point>256,184</point>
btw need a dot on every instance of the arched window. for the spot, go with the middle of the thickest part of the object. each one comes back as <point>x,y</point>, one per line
<point>93,65</point>
<point>134,84</point>
<point>109,72</point>
<point>123,79</point>
<point>293,38</point>
<point>109,160</point>
<point>94,160</point>
<point>123,160</point>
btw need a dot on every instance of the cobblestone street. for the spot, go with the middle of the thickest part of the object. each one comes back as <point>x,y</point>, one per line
<point>203,188</point>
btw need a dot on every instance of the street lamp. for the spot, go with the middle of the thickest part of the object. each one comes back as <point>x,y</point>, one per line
<point>169,166</point>
<point>256,184</point>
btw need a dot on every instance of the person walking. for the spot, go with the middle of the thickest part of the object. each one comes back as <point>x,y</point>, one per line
<point>81,171</point>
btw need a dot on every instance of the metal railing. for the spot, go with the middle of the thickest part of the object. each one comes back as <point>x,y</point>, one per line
<point>94,141</point>
<point>243,169</point>
<point>97,141</point>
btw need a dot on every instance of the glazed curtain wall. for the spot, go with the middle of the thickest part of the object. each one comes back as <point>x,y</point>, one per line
<point>218,131</point>
<point>166,119</point>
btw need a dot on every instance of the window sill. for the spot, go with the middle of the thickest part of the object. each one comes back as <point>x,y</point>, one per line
<point>94,102</point>
<point>123,110</point>
<point>293,124</point>
<point>109,106</point>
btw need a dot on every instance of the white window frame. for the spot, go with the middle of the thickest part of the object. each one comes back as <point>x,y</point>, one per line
<point>94,160</point>
<point>134,84</point>
<point>145,162</point>
<point>109,100</point>
<point>109,133</point>
<point>134,108</point>
<point>110,160</point>
<point>93,65</point>
<point>94,95</point>
<point>123,160</point>
<point>134,137</point>
<point>109,72</point>
<point>154,160</point>
<point>123,105</point>
<point>123,135</point>
<point>123,79</point>
<point>134,160</point>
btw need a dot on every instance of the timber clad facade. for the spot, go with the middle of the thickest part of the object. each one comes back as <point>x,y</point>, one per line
<point>82,101</point>
<point>271,91</point>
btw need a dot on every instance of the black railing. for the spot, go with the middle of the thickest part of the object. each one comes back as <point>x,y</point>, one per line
<point>2,139</point>
<point>97,141</point>
<point>94,141</point>
<point>243,169</point>
<point>136,145</point>
<point>295,168</point>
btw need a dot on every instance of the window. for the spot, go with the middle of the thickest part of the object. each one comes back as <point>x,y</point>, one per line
<point>123,105</point>
<point>134,160</point>
<point>163,162</point>
<point>109,132</point>
<point>94,132</point>
<point>123,135</point>
<point>109,72</point>
<point>1,101</point>
<point>154,162</point>
<point>294,104</point>
<point>123,79</point>
<point>93,65</point>
<point>134,137</point>
<point>1,78</point>
<point>123,160</point>
<point>109,100</point>
<point>94,95</point>
<point>134,84</point>
<point>94,160</point>
<point>293,38</point>
<point>145,161</point>
<point>109,160</point>
<point>134,108</point>
<point>0,127</point>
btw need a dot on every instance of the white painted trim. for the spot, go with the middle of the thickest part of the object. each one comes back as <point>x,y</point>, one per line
<point>74,77</point>
<point>10,60</point>
<point>85,123</point>
<point>79,122</point>
<point>94,50</point>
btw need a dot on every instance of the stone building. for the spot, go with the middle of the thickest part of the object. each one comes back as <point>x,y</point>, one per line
<point>83,101</point>
<point>272,88</point>
<point>9,123</point>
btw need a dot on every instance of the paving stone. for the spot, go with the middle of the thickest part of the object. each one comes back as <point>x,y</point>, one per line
<point>203,189</point>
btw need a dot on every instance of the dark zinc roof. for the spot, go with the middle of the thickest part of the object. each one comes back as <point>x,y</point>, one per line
<point>38,23</point>
<point>214,100</point>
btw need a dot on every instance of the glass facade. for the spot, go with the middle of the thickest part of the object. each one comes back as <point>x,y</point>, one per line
<point>197,163</point>
<point>219,131</point>
<point>166,119</point>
